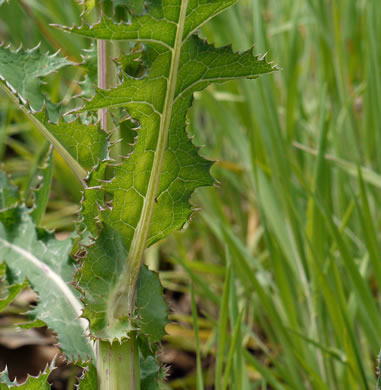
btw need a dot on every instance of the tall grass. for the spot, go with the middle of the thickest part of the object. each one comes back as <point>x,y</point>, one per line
<point>284,257</point>
<point>298,204</point>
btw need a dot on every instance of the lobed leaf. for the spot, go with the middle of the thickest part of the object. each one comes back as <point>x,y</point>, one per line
<point>86,143</point>
<point>151,187</point>
<point>22,70</point>
<point>100,271</point>
<point>82,145</point>
<point>158,25</point>
<point>183,169</point>
<point>37,256</point>
<point>91,75</point>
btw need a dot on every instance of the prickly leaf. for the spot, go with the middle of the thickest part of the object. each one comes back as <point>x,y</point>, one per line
<point>86,143</point>
<point>36,256</point>
<point>39,382</point>
<point>151,188</point>
<point>8,291</point>
<point>89,380</point>
<point>9,195</point>
<point>82,145</point>
<point>151,308</point>
<point>22,70</point>
<point>43,176</point>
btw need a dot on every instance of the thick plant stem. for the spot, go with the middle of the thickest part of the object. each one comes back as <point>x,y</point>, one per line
<point>117,363</point>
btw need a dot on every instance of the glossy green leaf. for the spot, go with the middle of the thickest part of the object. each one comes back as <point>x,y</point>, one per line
<point>44,261</point>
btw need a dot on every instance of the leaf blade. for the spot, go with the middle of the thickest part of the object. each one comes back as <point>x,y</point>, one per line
<point>44,262</point>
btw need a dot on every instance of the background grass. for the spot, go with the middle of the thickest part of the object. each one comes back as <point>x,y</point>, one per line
<point>284,257</point>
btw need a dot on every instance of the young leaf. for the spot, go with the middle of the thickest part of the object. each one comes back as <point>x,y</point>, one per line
<point>44,261</point>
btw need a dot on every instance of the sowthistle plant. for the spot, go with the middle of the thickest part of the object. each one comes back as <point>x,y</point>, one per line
<point>112,322</point>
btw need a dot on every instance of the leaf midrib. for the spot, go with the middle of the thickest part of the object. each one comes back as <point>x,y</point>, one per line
<point>50,274</point>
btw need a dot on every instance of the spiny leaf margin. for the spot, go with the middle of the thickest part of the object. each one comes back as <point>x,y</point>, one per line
<point>37,256</point>
<point>164,92</point>
<point>39,382</point>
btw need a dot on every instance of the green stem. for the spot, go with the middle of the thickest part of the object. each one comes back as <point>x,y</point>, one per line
<point>107,77</point>
<point>118,365</point>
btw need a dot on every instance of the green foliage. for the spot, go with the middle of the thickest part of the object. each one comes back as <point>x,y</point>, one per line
<point>150,372</point>
<point>9,195</point>
<point>151,309</point>
<point>289,151</point>
<point>37,256</point>
<point>131,202</point>
<point>22,71</point>
<point>32,383</point>
<point>179,65</point>
<point>96,277</point>
<point>85,142</point>
<point>88,380</point>
<point>44,175</point>
<point>8,292</point>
